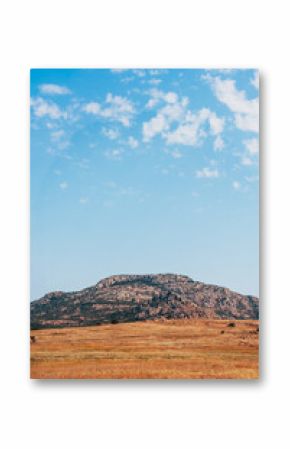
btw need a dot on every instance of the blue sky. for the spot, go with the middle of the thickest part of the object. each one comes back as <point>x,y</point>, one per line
<point>144,171</point>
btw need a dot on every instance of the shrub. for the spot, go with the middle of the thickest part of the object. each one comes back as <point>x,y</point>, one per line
<point>232,325</point>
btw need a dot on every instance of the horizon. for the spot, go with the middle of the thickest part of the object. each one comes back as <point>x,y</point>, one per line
<point>144,171</point>
<point>135,274</point>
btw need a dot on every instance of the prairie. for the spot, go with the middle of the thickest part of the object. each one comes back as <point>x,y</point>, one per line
<point>171,349</point>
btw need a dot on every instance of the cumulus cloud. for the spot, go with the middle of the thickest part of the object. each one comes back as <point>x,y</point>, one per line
<point>132,142</point>
<point>53,89</point>
<point>207,172</point>
<point>154,126</point>
<point>43,108</point>
<point>246,112</point>
<point>176,123</point>
<point>93,108</point>
<point>218,144</point>
<point>157,72</point>
<point>114,154</point>
<point>157,95</point>
<point>115,108</point>
<point>246,161</point>
<point>255,80</point>
<point>252,146</point>
<point>111,134</point>
<point>139,72</point>
<point>249,156</point>
<point>191,130</point>
<point>57,135</point>
<point>154,81</point>
<point>216,123</point>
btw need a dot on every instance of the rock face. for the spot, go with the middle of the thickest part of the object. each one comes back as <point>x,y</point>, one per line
<point>126,298</point>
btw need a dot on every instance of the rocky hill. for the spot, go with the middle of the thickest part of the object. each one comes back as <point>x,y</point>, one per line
<point>127,298</point>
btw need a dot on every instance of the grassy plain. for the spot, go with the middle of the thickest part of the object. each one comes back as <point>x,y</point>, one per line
<point>175,349</point>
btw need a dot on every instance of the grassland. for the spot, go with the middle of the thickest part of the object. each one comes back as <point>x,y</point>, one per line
<point>177,349</point>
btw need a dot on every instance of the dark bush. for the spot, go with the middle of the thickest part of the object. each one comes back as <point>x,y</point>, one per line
<point>232,325</point>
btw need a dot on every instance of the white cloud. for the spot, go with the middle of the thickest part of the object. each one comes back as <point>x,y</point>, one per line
<point>139,72</point>
<point>151,103</point>
<point>155,81</point>
<point>132,142</point>
<point>43,108</point>
<point>60,139</point>
<point>57,135</point>
<point>216,123</point>
<point>53,89</point>
<point>93,108</point>
<point>255,80</point>
<point>158,95</point>
<point>207,173</point>
<point>157,72</point>
<point>171,97</point>
<point>252,146</point>
<point>191,130</point>
<point>246,161</point>
<point>247,122</point>
<point>63,185</point>
<point>246,112</point>
<point>155,126</point>
<point>190,127</point>
<point>249,157</point>
<point>236,185</point>
<point>114,154</point>
<point>176,154</point>
<point>112,134</point>
<point>218,144</point>
<point>115,108</point>
<point>186,134</point>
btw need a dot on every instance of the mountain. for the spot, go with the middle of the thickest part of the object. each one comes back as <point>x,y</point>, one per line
<point>125,298</point>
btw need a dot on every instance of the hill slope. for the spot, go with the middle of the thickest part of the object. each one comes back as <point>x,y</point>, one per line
<point>126,298</point>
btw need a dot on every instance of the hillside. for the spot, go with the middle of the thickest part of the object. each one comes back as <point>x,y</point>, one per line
<point>129,298</point>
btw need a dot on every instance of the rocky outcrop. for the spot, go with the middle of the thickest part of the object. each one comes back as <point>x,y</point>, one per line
<point>125,298</point>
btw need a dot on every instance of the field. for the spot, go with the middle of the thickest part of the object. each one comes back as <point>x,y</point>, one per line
<point>177,349</point>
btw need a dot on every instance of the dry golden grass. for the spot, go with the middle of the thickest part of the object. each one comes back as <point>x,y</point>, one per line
<point>177,349</point>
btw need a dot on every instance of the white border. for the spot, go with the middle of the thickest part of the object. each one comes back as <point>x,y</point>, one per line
<point>204,414</point>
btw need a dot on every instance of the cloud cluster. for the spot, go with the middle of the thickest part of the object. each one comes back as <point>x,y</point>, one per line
<point>132,142</point>
<point>114,154</point>
<point>255,80</point>
<point>115,108</point>
<point>43,108</point>
<point>54,89</point>
<point>207,172</point>
<point>246,112</point>
<point>110,133</point>
<point>249,157</point>
<point>177,124</point>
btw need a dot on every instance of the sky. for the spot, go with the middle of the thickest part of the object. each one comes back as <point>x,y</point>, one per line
<point>144,171</point>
